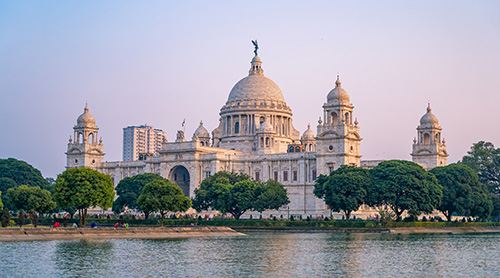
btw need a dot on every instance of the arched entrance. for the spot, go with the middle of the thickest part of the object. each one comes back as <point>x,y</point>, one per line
<point>180,176</point>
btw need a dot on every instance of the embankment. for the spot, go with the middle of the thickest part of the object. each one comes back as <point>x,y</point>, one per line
<point>32,234</point>
<point>445,230</point>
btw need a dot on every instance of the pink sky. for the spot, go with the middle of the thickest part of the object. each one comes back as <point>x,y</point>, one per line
<point>159,62</point>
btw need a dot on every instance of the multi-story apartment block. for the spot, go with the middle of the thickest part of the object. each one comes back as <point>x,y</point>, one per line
<point>141,140</point>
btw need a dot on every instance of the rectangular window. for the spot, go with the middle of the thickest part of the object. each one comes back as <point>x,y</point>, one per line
<point>275,175</point>
<point>257,176</point>
<point>285,175</point>
<point>207,174</point>
<point>314,175</point>
<point>294,175</point>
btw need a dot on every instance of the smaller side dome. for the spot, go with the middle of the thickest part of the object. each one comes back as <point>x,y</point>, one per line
<point>429,118</point>
<point>338,94</point>
<point>308,134</point>
<point>86,119</point>
<point>266,127</point>
<point>201,131</point>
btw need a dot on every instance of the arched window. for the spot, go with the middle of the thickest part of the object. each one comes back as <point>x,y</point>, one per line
<point>334,118</point>
<point>438,137</point>
<point>237,127</point>
<point>91,138</point>
<point>267,141</point>
<point>346,117</point>
<point>427,138</point>
<point>261,120</point>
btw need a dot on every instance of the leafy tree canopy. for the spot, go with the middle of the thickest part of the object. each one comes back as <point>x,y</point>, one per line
<point>344,189</point>
<point>462,191</point>
<point>270,195</point>
<point>21,173</point>
<point>484,159</point>
<point>163,196</point>
<point>1,204</point>
<point>30,198</point>
<point>404,185</point>
<point>83,188</point>
<point>129,189</point>
<point>236,193</point>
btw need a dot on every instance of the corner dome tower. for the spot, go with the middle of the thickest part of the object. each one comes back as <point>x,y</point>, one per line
<point>429,119</point>
<point>85,119</point>
<point>338,94</point>
<point>251,101</point>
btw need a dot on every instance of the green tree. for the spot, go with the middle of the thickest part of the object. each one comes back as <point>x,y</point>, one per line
<point>129,189</point>
<point>5,184</point>
<point>5,218</point>
<point>1,204</point>
<point>270,195</point>
<point>462,191</point>
<point>344,189</point>
<point>404,185</point>
<point>484,159</point>
<point>22,173</point>
<point>83,188</point>
<point>236,193</point>
<point>32,199</point>
<point>163,196</point>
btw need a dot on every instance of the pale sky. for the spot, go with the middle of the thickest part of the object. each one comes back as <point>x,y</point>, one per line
<point>159,62</point>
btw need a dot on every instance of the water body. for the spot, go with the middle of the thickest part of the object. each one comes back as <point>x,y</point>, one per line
<point>260,254</point>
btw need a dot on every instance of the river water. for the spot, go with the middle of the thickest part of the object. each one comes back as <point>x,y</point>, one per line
<point>259,254</point>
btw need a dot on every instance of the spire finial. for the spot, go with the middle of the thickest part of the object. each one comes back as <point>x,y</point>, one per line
<point>338,83</point>
<point>86,109</point>
<point>256,68</point>
<point>429,107</point>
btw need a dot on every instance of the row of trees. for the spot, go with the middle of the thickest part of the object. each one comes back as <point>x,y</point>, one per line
<point>226,192</point>
<point>399,185</point>
<point>406,186</point>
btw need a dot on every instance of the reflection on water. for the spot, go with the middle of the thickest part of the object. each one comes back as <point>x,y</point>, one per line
<point>260,255</point>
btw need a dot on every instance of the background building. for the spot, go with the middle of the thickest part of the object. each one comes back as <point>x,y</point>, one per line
<point>143,139</point>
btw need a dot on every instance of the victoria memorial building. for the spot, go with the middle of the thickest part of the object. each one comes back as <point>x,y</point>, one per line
<point>256,136</point>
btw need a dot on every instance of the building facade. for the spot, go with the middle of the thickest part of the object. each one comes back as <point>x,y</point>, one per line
<point>142,141</point>
<point>256,136</point>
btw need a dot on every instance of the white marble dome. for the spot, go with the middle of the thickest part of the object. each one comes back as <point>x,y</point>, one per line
<point>85,119</point>
<point>308,134</point>
<point>338,94</point>
<point>266,127</point>
<point>202,132</point>
<point>255,87</point>
<point>429,118</point>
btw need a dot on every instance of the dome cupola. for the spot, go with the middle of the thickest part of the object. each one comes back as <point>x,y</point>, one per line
<point>85,119</point>
<point>201,131</point>
<point>429,119</point>
<point>338,94</point>
<point>308,134</point>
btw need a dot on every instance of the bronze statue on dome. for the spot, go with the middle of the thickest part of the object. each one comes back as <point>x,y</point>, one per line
<point>256,44</point>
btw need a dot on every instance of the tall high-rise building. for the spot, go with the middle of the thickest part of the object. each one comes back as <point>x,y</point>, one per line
<point>141,141</point>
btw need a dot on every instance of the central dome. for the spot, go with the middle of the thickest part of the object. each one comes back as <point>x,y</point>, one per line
<point>255,87</point>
